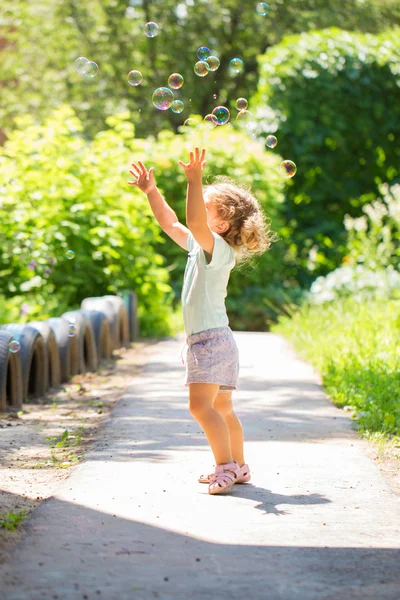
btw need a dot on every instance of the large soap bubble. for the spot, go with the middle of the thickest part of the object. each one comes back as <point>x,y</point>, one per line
<point>236,65</point>
<point>262,8</point>
<point>80,63</point>
<point>213,63</point>
<point>203,52</point>
<point>241,104</point>
<point>201,68</point>
<point>151,29</point>
<point>14,346</point>
<point>90,69</point>
<point>271,141</point>
<point>288,168</point>
<point>135,77</point>
<point>222,114</point>
<point>162,98</point>
<point>177,106</point>
<point>210,121</point>
<point>175,81</point>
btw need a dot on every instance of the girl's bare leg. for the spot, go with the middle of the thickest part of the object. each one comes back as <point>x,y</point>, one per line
<point>223,405</point>
<point>201,400</point>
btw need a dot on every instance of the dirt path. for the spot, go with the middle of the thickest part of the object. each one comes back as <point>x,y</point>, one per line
<point>318,521</point>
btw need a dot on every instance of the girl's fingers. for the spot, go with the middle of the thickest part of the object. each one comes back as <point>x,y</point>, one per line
<point>138,171</point>
<point>134,174</point>
<point>182,164</point>
<point>144,170</point>
<point>197,152</point>
<point>191,157</point>
<point>203,153</point>
<point>132,182</point>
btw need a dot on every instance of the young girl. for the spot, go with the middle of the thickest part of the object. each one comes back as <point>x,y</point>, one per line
<point>225,225</point>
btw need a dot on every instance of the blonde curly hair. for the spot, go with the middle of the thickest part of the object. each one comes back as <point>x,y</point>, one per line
<point>249,230</point>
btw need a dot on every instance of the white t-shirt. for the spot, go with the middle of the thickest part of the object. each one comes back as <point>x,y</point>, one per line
<point>204,285</point>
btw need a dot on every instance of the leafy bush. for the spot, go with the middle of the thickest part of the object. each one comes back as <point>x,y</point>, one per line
<point>354,345</point>
<point>334,99</point>
<point>60,192</point>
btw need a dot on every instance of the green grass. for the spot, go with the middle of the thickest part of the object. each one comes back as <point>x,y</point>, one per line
<point>355,347</point>
<point>11,520</point>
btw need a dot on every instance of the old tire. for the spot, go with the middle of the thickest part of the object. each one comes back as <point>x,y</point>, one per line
<point>67,348</point>
<point>107,307</point>
<point>11,392</point>
<point>52,356</point>
<point>87,350</point>
<point>33,361</point>
<point>102,334</point>
<point>130,300</point>
<point>123,336</point>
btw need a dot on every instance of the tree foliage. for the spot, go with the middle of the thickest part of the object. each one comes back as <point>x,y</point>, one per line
<point>334,99</point>
<point>42,38</point>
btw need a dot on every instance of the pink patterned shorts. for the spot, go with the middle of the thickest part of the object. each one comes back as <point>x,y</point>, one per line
<point>213,357</point>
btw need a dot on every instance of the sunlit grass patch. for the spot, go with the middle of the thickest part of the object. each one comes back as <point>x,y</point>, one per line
<point>354,345</point>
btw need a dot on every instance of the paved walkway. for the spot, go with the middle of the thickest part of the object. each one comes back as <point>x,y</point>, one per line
<point>318,521</point>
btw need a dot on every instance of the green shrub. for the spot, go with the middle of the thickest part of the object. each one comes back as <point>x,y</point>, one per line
<point>354,345</point>
<point>334,99</point>
<point>61,193</point>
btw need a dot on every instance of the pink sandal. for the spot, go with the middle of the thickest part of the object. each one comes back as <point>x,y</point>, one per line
<point>225,476</point>
<point>243,477</point>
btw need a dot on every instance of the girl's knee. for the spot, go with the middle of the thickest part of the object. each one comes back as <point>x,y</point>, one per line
<point>223,405</point>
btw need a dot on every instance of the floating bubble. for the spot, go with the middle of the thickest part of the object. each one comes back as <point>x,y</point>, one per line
<point>222,114</point>
<point>203,52</point>
<point>162,98</point>
<point>90,69</point>
<point>14,346</point>
<point>241,104</point>
<point>201,68</point>
<point>190,125</point>
<point>262,8</point>
<point>271,141</point>
<point>213,63</point>
<point>236,65</point>
<point>80,63</point>
<point>288,168</point>
<point>135,77</point>
<point>177,106</point>
<point>215,96</point>
<point>175,81</point>
<point>244,115</point>
<point>70,254</point>
<point>151,29</point>
<point>71,329</point>
<point>211,121</point>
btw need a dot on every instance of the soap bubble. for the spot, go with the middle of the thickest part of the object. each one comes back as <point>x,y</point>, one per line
<point>215,96</point>
<point>162,98</point>
<point>241,104</point>
<point>177,106</point>
<point>222,114</point>
<point>90,69</point>
<point>201,68</point>
<point>190,125</point>
<point>244,116</point>
<point>70,254</point>
<point>271,141</point>
<point>288,168</point>
<point>135,77</point>
<point>210,121</point>
<point>151,29</point>
<point>71,329</point>
<point>203,52</point>
<point>80,63</point>
<point>175,81</point>
<point>236,65</point>
<point>213,63</point>
<point>262,8</point>
<point>14,346</point>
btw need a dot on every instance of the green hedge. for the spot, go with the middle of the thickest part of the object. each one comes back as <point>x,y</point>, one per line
<point>334,99</point>
<point>61,192</point>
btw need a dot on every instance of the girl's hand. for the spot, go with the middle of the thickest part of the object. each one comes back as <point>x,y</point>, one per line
<point>194,168</point>
<point>145,179</point>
